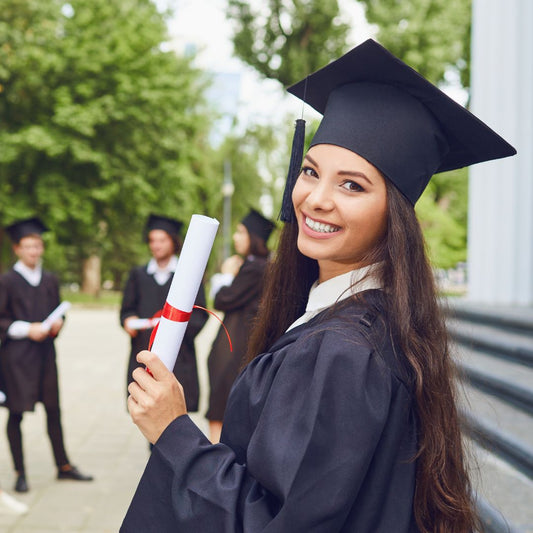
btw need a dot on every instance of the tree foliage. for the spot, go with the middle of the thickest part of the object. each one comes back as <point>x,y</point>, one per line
<point>443,217</point>
<point>100,125</point>
<point>286,40</point>
<point>432,36</point>
<point>257,157</point>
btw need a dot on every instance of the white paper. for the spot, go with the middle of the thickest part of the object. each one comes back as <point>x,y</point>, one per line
<point>184,287</point>
<point>143,323</point>
<point>57,313</point>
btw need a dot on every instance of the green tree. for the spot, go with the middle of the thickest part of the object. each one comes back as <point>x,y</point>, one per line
<point>257,157</point>
<point>442,214</point>
<point>287,40</point>
<point>433,36</point>
<point>100,126</point>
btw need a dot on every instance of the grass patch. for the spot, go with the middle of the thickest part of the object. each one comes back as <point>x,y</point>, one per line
<point>104,299</point>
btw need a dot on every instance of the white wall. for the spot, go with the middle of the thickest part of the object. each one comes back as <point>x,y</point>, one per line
<point>500,236</point>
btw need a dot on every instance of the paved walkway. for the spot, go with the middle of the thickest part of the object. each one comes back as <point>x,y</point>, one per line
<point>100,437</point>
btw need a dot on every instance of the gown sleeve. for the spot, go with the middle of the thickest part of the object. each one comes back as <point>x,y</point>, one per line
<point>6,318</point>
<point>245,287</point>
<point>319,424</point>
<point>130,298</point>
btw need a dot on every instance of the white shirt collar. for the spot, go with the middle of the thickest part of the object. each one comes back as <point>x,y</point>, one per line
<point>161,275</point>
<point>31,275</point>
<point>323,295</point>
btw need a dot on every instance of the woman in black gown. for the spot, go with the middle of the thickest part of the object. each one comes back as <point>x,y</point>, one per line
<point>236,289</point>
<point>344,419</point>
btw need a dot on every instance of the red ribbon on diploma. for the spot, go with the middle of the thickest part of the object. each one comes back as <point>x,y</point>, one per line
<point>176,315</point>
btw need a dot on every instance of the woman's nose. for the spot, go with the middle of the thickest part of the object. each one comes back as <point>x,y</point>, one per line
<point>320,197</point>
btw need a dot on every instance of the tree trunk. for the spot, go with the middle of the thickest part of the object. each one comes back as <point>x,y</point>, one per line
<point>92,275</point>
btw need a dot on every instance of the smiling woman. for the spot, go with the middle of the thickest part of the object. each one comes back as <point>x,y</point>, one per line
<point>340,201</point>
<point>344,418</point>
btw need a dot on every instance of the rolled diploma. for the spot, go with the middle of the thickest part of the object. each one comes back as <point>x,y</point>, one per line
<point>142,323</point>
<point>58,312</point>
<point>184,287</point>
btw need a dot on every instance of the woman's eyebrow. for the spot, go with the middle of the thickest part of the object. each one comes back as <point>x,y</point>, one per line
<point>311,160</point>
<point>355,174</point>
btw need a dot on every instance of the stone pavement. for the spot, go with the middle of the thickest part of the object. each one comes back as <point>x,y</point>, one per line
<point>99,435</point>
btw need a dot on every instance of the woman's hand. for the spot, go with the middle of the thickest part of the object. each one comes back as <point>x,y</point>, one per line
<point>156,397</point>
<point>232,265</point>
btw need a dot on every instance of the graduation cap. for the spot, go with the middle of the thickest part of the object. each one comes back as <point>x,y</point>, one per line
<point>380,108</point>
<point>257,224</point>
<point>22,228</point>
<point>170,225</point>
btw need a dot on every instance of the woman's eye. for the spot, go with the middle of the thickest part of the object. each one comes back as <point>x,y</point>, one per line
<point>308,171</point>
<point>352,186</point>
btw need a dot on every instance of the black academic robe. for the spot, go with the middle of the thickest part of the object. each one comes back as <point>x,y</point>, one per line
<point>143,297</point>
<point>239,301</point>
<point>319,437</point>
<point>28,368</point>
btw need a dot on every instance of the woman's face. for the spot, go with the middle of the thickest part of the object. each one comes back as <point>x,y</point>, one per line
<point>241,240</point>
<point>340,200</point>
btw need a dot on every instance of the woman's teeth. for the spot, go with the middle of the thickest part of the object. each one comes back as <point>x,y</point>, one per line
<point>320,226</point>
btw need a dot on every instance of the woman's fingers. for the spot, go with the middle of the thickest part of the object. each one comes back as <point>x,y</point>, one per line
<point>155,366</point>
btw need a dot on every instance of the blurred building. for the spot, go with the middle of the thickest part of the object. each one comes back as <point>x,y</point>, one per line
<point>500,235</point>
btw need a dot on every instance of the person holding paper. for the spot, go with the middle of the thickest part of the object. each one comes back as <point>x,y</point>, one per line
<point>345,417</point>
<point>144,296</point>
<point>236,291</point>
<point>28,295</point>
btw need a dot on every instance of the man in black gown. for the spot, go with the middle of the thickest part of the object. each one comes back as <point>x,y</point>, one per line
<point>145,294</point>
<point>28,295</point>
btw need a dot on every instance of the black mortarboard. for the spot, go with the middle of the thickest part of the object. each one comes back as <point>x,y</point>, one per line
<point>380,108</point>
<point>22,228</point>
<point>257,224</point>
<point>170,225</point>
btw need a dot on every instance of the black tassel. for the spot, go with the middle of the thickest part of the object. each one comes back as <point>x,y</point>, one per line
<point>287,212</point>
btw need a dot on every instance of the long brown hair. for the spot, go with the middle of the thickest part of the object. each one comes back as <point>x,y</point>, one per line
<point>258,246</point>
<point>443,500</point>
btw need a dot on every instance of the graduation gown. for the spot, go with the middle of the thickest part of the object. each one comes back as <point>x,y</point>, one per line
<point>28,368</point>
<point>319,437</point>
<point>239,301</point>
<point>143,297</point>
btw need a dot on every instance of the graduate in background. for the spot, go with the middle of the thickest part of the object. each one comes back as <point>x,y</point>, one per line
<point>28,294</point>
<point>236,291</point>
<point>345,418</point>
<point>145,294</point>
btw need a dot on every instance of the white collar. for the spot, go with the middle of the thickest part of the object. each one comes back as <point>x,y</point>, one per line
<point>323,295</point>
<point>31,275</point>
<point>161,275</point>
<point>153,267</point>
